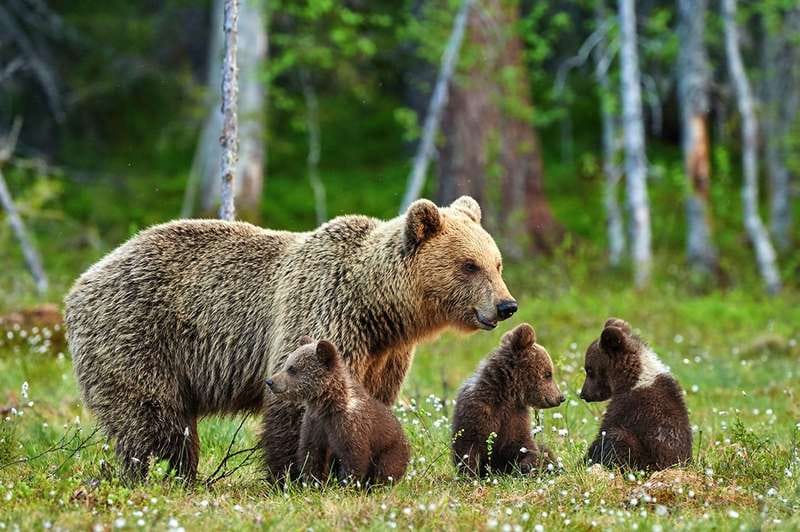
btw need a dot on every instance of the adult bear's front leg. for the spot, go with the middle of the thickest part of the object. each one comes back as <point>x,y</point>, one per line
<point>385,377</point>
<point>280,433</point>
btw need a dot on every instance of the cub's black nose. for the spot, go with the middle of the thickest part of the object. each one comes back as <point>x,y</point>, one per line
<point>506,308</point>
<point>561,398</point>
<point>269,383</point>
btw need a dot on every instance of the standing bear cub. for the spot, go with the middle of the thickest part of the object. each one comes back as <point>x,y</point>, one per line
<point>492,425</point>
<point>342,424</point>
<point>646,425</point>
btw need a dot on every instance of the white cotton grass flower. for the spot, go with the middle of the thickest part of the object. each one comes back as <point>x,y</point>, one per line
<point>25,389</point>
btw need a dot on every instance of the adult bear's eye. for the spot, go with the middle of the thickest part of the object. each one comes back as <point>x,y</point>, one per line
<point>471,267</point>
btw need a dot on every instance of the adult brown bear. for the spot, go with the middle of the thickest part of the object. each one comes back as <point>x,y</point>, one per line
<point>188,318</point>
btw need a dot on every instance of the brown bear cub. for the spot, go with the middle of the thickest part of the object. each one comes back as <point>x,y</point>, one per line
<point>491,424</point>
<point>342,424</point>
<point>646,425</point>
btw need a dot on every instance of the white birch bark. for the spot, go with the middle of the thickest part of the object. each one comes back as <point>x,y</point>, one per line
<point>314,147</point>
<point>29,252</point>
<point>229,140</point>
<point>204,177</point>
<point>611,144</point>
<point>633,134</point>
<point>693,80</point>
<point>765,253</point>
<point>416,179</point>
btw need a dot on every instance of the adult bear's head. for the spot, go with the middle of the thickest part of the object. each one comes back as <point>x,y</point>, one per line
<point>455,265</point>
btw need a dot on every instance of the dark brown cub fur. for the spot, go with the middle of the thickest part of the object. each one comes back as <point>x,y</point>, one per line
<point>491,424</point>
<point>646,425</point>
<point>342,424</point>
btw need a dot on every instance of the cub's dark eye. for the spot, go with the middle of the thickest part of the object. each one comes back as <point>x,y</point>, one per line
<point>471,267</point>
<point>548,375</point>
<point>291,371</point>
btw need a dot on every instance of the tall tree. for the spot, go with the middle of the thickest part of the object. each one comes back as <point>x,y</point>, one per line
<point>489,135</point>
<point>611,139</point>
<point>693,80</point>
<point>633,134</point>
<point>765,253</point>
<point>781,77</point>
<point>249,175</point>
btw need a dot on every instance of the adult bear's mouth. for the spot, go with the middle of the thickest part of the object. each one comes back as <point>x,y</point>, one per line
<point>484,322</point>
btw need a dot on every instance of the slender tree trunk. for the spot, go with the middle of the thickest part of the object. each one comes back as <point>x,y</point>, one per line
<point>765,253</point>
<point>314,147</point>
<point>204,178</point>
<point>635,159</point>
<point>693,79</point>
<point>416,179</point>
<point>611,146</point>
<point>14,220</point>
<point>780,74</point>
<point>229,140</point>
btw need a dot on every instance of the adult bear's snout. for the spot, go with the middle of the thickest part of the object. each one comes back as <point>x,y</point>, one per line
<point>505,309</point>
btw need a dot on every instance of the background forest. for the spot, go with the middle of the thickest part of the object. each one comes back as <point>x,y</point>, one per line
<point>632,158</point>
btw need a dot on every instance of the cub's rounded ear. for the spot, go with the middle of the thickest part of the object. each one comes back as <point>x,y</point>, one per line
<point>422,222</point>
<point>520,338</point>
<point>613,340</point>
<point>619,324</point>
<point>327,354</point>
<point>305,339</point>
<point>468,206</point>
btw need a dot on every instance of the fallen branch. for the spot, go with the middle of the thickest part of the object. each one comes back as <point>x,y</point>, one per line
<point>220,472</point>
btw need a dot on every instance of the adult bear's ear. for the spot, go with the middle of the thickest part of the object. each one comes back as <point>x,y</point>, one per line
<point>422,222</point>
<point>327,354</point>
<point>468,206</point>
<point>520,337</point>
<point>305,339</point>
<point>614,340</point>
<point>619,324</point>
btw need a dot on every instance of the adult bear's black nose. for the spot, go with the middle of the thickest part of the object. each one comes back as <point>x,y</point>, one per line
<point>506,308</point>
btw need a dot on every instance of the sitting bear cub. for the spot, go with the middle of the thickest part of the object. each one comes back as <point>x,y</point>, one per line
<point>646,425</point>
<point>342,424</point>
<point>491,424</point>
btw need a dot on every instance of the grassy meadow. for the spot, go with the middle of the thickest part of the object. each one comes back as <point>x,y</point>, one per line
<point>735,352</point>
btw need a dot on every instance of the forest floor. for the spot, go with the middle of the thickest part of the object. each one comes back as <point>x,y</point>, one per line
<point>736,354</point>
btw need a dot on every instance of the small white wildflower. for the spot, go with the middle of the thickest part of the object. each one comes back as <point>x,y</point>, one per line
<point>523,450</point>
<point>695,388</point>
<point>491,523</point>
<point>539,528</point>
<point>733,514</point>
<point>661,510</point>
<point>172,523</point>
<point>119,522</point>
<point>526,516</point>
<point>25,388</point>
<point>557,415</point>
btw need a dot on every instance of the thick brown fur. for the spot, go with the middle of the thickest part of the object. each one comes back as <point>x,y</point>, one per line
<point>646,425</point>
<point>496,399</point>
<point>342,424</point>
<point>188,318</point>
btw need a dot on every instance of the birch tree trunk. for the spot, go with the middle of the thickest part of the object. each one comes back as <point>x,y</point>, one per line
<point>204,178</point>
<point>416,179</point>
<point>314,147</point>
<point>780,74</point>
<point>635,158</point>
<point>14,220</point>
<point>229,140</point>
<point>693,80</point>
<point>611,144</point>
<point>765,253</point>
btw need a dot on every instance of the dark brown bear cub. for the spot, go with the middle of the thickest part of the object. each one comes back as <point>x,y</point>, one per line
<point>646,425</point>
<point>491,425</point>
<point>342,424</point>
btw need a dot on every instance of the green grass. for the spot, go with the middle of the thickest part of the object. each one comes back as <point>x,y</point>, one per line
<point>736,354</point>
